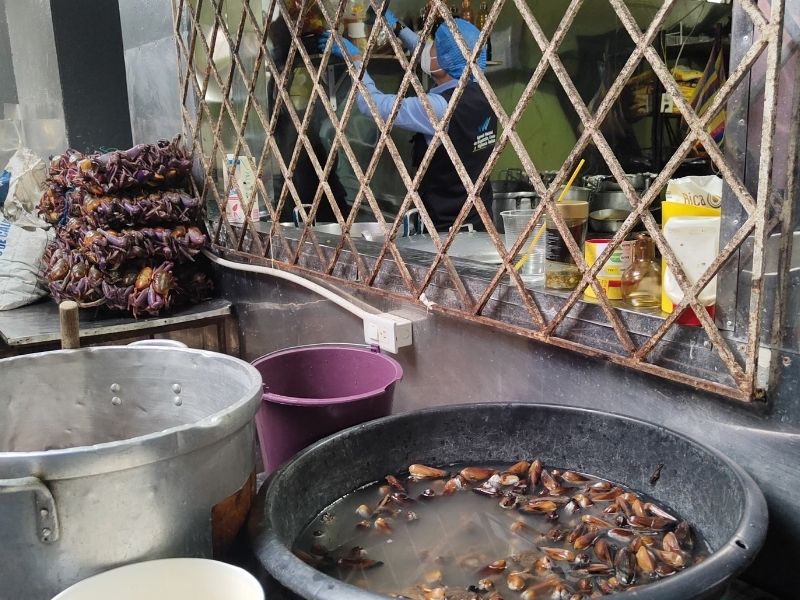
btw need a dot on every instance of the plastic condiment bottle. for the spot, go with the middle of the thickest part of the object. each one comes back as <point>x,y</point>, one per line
<point>356,28</point>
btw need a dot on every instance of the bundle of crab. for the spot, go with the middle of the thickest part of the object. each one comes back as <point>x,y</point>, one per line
<point>129,235</point>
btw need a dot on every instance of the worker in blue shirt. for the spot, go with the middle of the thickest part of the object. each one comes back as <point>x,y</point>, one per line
<point>472,128</point>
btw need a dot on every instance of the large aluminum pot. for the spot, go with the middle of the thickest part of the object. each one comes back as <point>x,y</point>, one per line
<point>615,201</point>
<point>119,454</point>
<point>716,495</point>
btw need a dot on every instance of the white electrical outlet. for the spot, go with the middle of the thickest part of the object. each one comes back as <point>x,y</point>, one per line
<point>388,331</point>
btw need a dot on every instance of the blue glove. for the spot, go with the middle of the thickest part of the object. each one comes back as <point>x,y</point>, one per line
<point>349,46</point>
<point>391,20</point>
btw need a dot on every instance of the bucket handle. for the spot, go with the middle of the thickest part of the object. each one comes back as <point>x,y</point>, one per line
<point>44,503</point>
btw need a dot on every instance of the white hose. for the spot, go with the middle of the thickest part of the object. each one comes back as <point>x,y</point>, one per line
<point>301,281</point>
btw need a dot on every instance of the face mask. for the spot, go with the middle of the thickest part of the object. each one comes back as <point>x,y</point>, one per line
<point>425,59</point>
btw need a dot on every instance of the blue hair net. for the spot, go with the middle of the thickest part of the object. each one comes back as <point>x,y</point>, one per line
<point>448,53</point>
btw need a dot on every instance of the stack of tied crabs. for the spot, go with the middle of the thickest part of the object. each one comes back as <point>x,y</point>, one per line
<point>128,233</point>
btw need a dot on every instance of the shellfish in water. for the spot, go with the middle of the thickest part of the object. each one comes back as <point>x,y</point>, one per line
<point>487,531</point>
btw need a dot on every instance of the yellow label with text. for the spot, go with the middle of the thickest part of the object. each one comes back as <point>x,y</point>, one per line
<point>610,276</point>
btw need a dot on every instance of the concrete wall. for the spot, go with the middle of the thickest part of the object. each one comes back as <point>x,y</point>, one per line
<point>38,82</point>
<point>8,84</point>
<point>62,75</point>
<point>8,93</point>
<point>151,69</point>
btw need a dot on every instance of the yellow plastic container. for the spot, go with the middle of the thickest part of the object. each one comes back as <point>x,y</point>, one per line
<point>610,276</point>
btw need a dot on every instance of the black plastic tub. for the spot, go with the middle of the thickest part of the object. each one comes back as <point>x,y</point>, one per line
<point>723,503</point>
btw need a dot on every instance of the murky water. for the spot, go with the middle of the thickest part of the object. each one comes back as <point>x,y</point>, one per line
<point>498,531</point>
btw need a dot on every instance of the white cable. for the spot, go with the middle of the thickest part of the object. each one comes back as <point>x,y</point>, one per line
<point>389,332</point>
<point>301,281</point>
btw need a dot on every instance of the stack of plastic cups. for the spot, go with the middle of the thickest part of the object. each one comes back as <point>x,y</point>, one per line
<point>514,221</point>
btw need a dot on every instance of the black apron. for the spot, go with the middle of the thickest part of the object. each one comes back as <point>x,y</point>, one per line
<point>473,131</point>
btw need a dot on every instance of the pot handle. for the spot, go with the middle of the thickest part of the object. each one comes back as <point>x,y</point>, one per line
<point>158,344</point>
<point>45,504</point>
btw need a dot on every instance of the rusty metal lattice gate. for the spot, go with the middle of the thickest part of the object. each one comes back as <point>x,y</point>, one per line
<point>202,25</point>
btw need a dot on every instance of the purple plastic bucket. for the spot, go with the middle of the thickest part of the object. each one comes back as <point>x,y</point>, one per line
<point>311,392</point>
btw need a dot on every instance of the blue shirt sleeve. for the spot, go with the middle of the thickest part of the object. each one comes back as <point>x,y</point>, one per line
<point>409,38</point>
<point>411,116</point>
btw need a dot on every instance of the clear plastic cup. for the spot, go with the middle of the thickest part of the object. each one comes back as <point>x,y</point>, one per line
<point>514,221</point>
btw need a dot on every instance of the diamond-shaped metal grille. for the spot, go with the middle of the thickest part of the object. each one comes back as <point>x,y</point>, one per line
<point>242,29</point>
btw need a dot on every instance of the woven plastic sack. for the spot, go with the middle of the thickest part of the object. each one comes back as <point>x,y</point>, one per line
<point>22,245</point>
<point>28,173</point>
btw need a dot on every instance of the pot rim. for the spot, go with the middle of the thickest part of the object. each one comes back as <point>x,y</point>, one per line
<point>734,555</point>
<point>82,461</point>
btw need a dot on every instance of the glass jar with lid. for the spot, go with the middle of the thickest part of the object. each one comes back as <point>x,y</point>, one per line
<point>560,270</point>
<point>641,281</point>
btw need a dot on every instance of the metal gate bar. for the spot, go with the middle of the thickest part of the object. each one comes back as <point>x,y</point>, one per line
<point>196,44</point>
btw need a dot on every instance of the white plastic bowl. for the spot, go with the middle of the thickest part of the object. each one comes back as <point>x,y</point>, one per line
<point>172,579</point>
